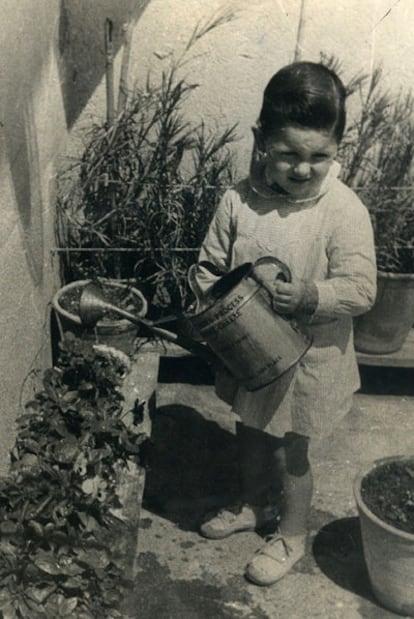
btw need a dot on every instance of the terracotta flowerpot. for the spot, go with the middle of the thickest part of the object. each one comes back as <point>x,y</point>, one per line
<point>388,551</point>
<point>385,327</point>
<point>119,333</point>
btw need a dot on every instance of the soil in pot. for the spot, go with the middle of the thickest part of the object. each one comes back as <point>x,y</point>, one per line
<point>121,297</point>
<point>388,491</point>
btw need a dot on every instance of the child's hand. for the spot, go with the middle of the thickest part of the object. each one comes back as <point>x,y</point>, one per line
<point>297,295</point>
<point>287,296</point>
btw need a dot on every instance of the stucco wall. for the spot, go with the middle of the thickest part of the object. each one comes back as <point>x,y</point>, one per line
<point>233,63</point>
<point>51,61</point>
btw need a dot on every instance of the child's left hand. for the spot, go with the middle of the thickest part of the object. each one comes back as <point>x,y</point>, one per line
<point>289,297</point>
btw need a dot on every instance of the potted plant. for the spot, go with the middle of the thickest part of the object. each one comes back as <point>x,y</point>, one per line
<point>67,533</point>
<point>138,202</point>
<point>384,493</point>
<point>376,158</point>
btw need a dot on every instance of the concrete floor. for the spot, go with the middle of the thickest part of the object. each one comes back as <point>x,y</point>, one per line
<point>183,576</point>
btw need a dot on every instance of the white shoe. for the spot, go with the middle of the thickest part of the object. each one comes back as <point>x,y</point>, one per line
<point>275,559</point>
<point>238,518</point>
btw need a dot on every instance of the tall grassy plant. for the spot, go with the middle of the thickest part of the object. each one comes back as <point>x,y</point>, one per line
<point>376,156</point>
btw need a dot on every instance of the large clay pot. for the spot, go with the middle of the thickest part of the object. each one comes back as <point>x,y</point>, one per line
<point>113,332</point>
<point>388,552</point>
<point>385,327</point>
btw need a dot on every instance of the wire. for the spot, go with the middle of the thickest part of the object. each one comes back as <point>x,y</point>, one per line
<point>57,250</point>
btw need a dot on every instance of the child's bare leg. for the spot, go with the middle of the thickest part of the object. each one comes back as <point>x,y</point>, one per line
<point>279,554</point>
<point>257,472</point>
<point>295,473</point>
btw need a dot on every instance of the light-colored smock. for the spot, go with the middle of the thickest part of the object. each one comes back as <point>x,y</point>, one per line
<point>328,241</point>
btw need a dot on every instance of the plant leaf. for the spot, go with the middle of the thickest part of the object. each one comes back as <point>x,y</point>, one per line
<point>66,451</point>
<point>8,527</point>
<point>39,594</point>
<point>48,565</point>
<point>93,557</point>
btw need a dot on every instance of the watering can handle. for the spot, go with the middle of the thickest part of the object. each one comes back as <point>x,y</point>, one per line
<point>268,271</point>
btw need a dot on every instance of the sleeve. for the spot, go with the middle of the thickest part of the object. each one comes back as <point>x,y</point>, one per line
<point>217,245</point>
<point>350,287</point>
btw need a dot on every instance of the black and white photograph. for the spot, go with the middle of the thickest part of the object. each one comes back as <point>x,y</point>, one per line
<point>207,309</point>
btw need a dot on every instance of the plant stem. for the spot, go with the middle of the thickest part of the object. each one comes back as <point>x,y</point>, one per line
<point>109,54</point>
<point>123,81</point>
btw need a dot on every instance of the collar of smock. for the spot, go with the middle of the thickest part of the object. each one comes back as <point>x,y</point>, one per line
<point>257,180</point>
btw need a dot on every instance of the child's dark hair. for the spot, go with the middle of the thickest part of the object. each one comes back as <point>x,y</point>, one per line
<point>304,93</point>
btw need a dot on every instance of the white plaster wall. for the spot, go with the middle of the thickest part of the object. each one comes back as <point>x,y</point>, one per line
<point>233,63</point>
<point>363,33</point>
<point>32,128</point>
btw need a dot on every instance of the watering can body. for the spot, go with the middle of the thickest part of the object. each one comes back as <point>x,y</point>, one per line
<point>256,344</point>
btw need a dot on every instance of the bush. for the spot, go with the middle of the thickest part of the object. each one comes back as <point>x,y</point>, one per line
<point>59,506</point>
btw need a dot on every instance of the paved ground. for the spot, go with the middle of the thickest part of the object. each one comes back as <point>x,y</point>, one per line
<point>183,576</point>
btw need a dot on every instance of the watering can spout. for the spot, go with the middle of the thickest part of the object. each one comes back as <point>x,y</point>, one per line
<point>93,306</point>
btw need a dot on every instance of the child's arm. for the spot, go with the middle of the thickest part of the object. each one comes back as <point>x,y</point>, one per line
<point>350,287</point>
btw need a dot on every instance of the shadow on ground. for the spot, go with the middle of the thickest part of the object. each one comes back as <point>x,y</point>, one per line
<point>186,369</point>
<point>157,595</point>
<point>193,466</point>
<point>337,549</point>
<point>193,463</point>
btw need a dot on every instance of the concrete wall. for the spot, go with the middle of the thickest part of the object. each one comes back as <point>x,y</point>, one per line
<point>51,61</point>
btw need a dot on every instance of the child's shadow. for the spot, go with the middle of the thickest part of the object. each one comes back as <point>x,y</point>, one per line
<point>192,468</point>
<point>337,549</point>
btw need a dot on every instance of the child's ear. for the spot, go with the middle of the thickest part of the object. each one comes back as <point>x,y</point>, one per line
<point>259,139</point>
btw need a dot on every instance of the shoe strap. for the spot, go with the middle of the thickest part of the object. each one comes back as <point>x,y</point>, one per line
<point>231,511</point>
<point>272,540</point>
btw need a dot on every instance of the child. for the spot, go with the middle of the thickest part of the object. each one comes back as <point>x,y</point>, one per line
<point>293,207</point>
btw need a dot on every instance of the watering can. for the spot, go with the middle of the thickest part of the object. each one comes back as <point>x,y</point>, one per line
<point>235,320</point>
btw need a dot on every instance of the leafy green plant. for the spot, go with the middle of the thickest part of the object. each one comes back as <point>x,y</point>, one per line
<point>140,198</point>
<point>376,156</point>
<point>59,507</point>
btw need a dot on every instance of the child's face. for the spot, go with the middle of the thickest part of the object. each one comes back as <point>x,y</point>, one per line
<point>298,159</point>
